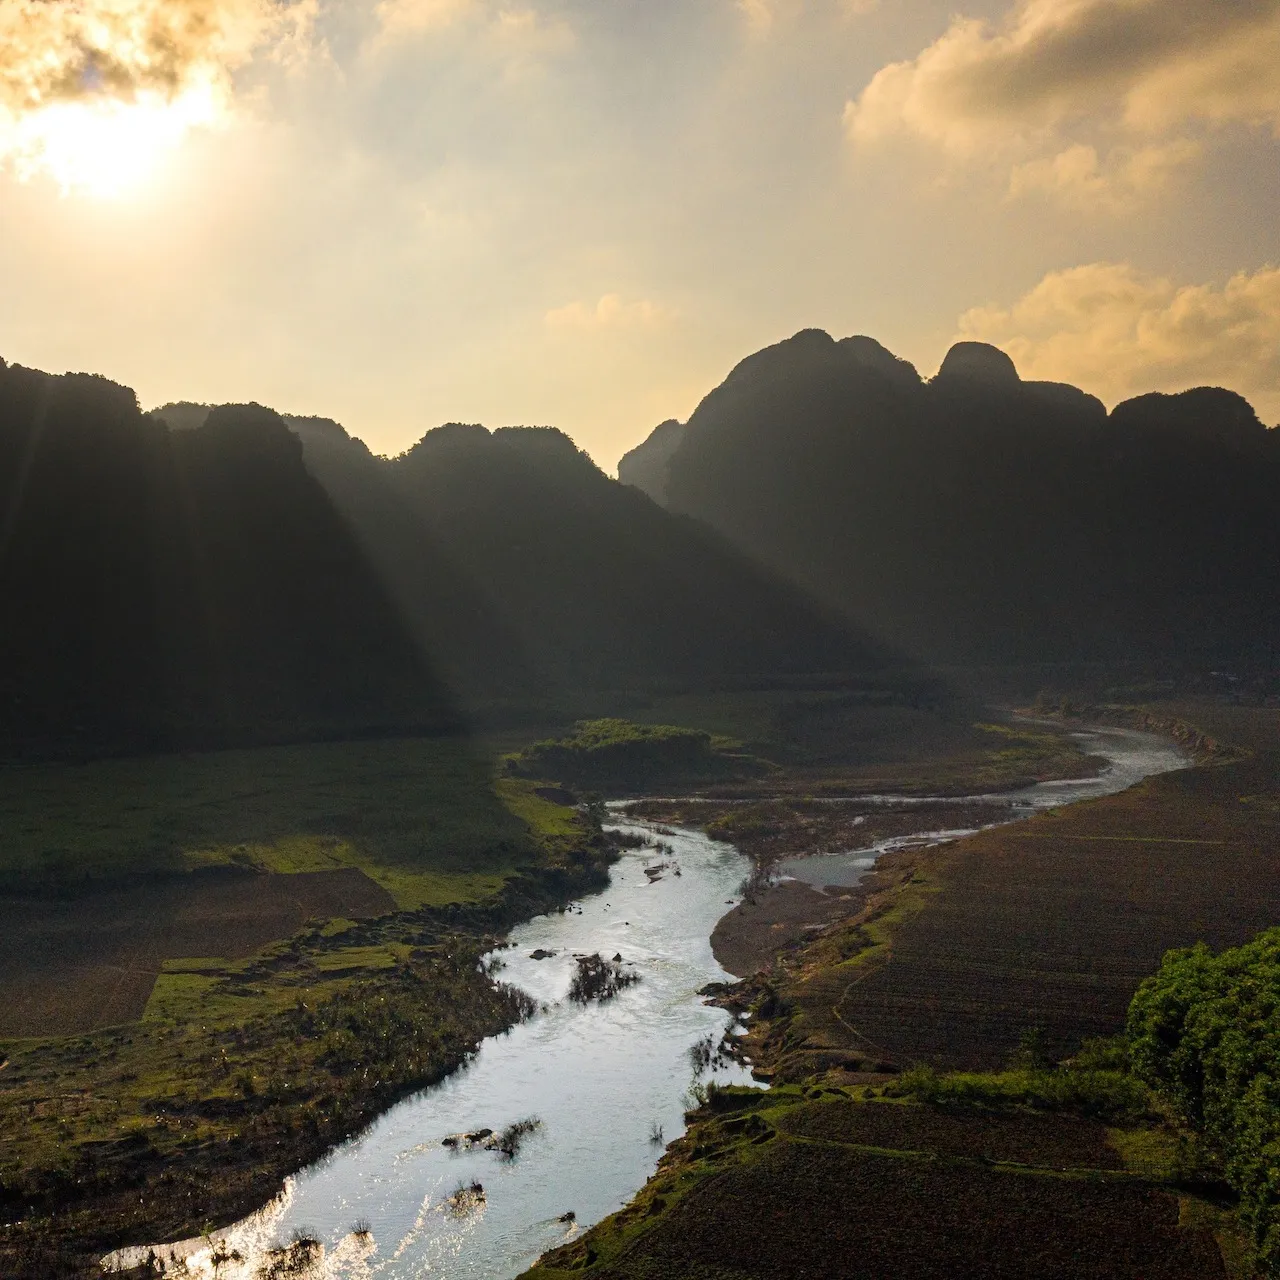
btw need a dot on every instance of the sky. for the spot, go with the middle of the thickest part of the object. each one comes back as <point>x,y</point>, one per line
<point>583,213</point>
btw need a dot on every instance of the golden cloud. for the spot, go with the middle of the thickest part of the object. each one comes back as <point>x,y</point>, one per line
<point>95,84</point>
<point>1118,331</point>
<point>1149,64</point>
<point>610,312</point>
<point>1057,74</point>
<point>1115,183</point>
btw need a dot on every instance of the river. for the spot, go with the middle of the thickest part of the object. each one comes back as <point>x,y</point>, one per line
<point>604,1080</point>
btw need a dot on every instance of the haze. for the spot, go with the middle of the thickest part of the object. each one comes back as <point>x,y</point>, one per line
<point>404,212</point>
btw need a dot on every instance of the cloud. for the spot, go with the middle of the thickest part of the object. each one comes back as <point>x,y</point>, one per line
<point>55,51</point>
<point>397,18</point>
<point>1117,183</point>
<point>764,19</point>
<point>514,31</point>
<point>89,83</point>
<point>1118,331</point>
<point>1146,64</point>
<point>610,312</point>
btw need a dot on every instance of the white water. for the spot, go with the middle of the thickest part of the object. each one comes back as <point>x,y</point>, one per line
<point>599,1077</point>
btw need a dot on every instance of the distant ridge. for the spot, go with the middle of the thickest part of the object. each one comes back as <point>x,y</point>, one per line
<point>577,585</point>
<point>977,517</point>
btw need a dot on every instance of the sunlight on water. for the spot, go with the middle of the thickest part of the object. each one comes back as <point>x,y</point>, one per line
<point>602,1079</point>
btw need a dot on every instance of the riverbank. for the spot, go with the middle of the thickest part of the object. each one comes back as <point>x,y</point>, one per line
<point>241,1070</point>
<point>1020,945</point>
<point>591,1080</point>
<point>813,856</point>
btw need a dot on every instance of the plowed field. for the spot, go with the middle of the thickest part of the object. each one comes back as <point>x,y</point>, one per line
<point>1054,922</point>
<point>70,965</point>
<point>806,1199</point>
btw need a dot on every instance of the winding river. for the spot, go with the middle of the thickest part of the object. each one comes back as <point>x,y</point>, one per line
<point>607,1081</point>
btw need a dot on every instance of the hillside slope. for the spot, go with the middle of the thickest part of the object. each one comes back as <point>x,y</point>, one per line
<point>181,588</point>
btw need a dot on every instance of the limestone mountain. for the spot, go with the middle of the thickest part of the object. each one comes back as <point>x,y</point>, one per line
<point>527,573</point>
<point>182,588</point>
<point>978,517</point>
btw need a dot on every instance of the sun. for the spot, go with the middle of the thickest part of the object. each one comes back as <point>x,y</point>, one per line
<point>108,148</point>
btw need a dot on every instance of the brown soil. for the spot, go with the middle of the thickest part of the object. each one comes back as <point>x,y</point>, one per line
<point>749,937</point>
<point>1054,922</point>
<point>810,1200</point>
<point>813,1211</point>
<point>1022,1137</point>
<point>71,965</point>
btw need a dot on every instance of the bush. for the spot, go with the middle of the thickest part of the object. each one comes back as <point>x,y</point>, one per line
<point>1105,1095</point>
<point>599,979</point>
<point>1204,1033</point>
<point>619,755</point>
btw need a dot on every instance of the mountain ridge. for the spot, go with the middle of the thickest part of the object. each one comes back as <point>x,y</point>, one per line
<point>976,517</point>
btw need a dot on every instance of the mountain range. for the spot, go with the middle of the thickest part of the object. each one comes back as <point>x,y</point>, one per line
<point>201,576</point>
<point>977,518</point>
<point>204,576</point>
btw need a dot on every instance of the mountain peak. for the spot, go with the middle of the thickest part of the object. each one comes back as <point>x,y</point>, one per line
<point>979,362</point>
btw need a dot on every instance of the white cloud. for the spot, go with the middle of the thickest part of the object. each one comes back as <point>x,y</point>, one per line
<point>1118,331</point>
<point>610,312</point>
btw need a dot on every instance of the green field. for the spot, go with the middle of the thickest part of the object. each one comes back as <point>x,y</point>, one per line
<point>424,818</point>
<point>221,964</point>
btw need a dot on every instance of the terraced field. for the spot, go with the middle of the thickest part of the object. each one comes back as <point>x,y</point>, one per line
<point>798,1185</point>
<point>1050,923</point>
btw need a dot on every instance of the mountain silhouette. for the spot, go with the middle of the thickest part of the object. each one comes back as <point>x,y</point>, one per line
<point>558,582</point>
<point>174,588</point>
<point>980,518</point>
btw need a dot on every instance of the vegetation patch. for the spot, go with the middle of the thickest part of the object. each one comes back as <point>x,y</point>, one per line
<point>1205,1032</point>
<point>596,978</point>
<point>619,755</point>
<point>411,813</point>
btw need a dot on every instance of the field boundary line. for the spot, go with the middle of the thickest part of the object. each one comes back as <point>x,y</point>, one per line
<point>1081,1172</point>
<point>1036,835</point>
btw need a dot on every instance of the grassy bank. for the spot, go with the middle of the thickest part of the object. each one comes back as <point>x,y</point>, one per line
<point>242,1059</point>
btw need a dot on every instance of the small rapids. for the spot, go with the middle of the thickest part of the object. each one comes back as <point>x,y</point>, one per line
<point>608,1081</point>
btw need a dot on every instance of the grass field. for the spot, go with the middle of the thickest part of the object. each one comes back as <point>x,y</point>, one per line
<point>801,1183</point>
<point>219,965</point>
<point>110,869</point>
<point>413,814</point>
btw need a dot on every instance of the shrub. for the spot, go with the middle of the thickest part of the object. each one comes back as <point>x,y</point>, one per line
<point>599,979</point>
<point>1204,1033</point>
